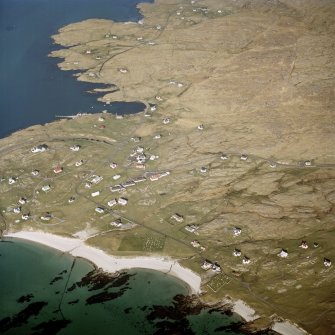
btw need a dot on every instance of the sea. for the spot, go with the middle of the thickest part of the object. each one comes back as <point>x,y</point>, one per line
<point>42,290</point>
<point>45,291</point>
<point>32,88</point>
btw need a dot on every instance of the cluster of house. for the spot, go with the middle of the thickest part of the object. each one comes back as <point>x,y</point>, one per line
<point>117,223</point>
<point>196,244</point>
<point>119,201</point>
<point>206,265</point>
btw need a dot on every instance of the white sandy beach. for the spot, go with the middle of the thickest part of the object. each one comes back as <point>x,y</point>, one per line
<point>78,248</point>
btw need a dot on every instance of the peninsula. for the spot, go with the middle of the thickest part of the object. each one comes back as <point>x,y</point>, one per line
<point>230,170</point>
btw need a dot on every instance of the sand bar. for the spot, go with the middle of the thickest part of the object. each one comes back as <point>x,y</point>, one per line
<point>78,248</point>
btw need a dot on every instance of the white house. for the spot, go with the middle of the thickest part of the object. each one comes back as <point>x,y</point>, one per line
<point>25,217</point>
<point>303,245</point>
<point>216,267</point>
<point>39,148</point>
<point>283,253</point>
<point>224,157</point>
<point>95,194</point>
<point>203,169</point>
<point>157,137</point>
<point>116,223</point>
<point>200,127</point>
<point>75,147</point>
<point>17,210</point>
<point>237,231</point>
<point>237,253</point>
<point>12,180</point>
<point>22,200</point>
<point>195,244</point>
<point>99,210</point>
<point>79,163</point>
<point>112,202</point>
<point>122,201</point>
<point>327,262</point>
<point>246,260</point>
<point>206,265</point>
<point>113,165</point>
<point>192,228</point>
<point>116,176</point>
<point>46,188</point>
<point>244,157</point>
<point>166,120</point>
<point>177,217</point>
<point>35,172</point>
<point>308,163</point>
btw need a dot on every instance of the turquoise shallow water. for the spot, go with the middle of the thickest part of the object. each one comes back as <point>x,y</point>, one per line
<point>44,291</point>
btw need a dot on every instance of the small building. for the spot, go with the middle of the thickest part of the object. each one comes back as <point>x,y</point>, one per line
<point>155,177</point>
<point>216,267</point>
<point>113,165</point>
<point>101,119</point>
<point>22,200</point>
<point>206,265</point>
<point>157,137</point>
<point>95,179</point>
<point>191,228</point>
<point>244,157</point>
<point>17,210</point>
<point>237,252</point>
<point>88,185</point>
<point>123,70</point>
<point>315,245</point>
<point>273,164</point>
<point>79,163</point>
<point>159,98</point>
<point>128,183</point>
<point>25,217</point>
<point>195,244</point>
<point>153,108</point>
<point>122,201</point>
<point>116,176</point>
<point>12,180</point>
<point>117,188</point>
<point>283,253</point>
<point>46,188</point>
<point>112,202</point>
<point>237,231</point>
<point>200,127</point>
<point>39,148</point>
<point>35,172</point>
<point>95,194</point>
<point>71,200</point>
<point>141,158</point>
<point>224,157</point>
<point>58,169</point>
<point>75,147</point>
<point>139,150</point>
<point>203,169</point>
<point>99,210</point>
<point>177,217</point>
<point>327,262</point>
<point>166,120</point>
<point>140,179</point>
<point>140,166</point>
<point>246,260</point>
<point>117,223</point>
<point>303,245</point>
<point>136,139</point>
<point>46,217</point>
<point>308,163</point>
<point>153,157</point>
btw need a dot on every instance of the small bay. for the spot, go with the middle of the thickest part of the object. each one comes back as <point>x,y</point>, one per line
<point>46,291</point>
<point>32,88</point>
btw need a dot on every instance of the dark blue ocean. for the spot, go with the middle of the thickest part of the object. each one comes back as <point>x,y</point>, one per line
<point>32,88</point>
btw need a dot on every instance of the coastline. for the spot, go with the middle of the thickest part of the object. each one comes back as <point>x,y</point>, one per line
<point>78,248</point>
